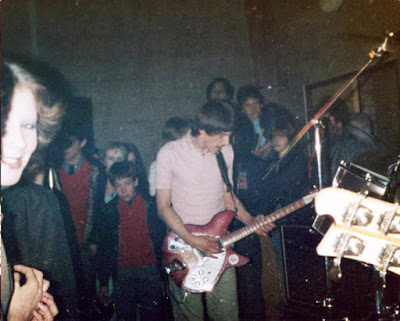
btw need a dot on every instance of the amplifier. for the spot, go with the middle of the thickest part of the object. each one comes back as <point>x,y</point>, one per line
<point>305,276</point>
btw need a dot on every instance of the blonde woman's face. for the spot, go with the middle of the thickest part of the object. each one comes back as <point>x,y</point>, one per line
<point>20,138</point>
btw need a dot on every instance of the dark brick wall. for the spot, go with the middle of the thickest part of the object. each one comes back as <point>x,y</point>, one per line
<point>141,62</point>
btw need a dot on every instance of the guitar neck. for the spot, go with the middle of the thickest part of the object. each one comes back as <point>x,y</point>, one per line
<point>250,229</point>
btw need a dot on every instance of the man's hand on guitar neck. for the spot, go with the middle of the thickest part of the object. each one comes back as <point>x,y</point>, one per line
<point>232,203</point>
<point>264,228</point>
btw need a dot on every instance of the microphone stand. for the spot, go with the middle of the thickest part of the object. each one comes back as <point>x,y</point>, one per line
<point>331,273</point>
<point>328,301</point>
<point>372,55</point>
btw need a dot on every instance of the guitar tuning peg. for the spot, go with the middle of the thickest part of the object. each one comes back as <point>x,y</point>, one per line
<point>395,225</point>
<point>354,247</point>
<point>363,216</point>
<point>395,261</point>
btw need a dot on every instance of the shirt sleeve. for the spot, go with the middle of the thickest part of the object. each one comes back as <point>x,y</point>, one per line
<point>164,172</point>
<point>152,178</point>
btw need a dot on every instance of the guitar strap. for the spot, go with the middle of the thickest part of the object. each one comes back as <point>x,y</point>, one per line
<point>224,173</point>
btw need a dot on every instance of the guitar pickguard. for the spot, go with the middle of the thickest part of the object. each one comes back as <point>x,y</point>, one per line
<point>192,270</point>
<point>204,272</point>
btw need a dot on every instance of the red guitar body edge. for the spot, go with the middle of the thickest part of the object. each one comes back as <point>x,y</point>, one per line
<point>216,227</point>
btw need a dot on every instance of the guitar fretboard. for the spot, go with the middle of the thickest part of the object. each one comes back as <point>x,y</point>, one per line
<point>250,229</point>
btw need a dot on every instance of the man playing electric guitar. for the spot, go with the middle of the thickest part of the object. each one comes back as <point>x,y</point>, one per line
<point>190,190</point>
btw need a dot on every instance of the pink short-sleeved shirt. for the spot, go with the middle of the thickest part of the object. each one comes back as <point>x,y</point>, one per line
<point>197,188</point>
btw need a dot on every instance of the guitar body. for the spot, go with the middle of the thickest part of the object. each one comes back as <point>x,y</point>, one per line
<point>192,270</point>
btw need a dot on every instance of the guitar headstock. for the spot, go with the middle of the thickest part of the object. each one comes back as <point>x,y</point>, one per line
<point>364,229</point>
<point>310,196</point>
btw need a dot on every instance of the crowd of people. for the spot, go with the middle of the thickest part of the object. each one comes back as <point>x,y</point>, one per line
<point>85,231</point>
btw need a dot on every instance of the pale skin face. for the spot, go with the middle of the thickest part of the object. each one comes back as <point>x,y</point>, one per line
<point>252,108</point>
<point>20,138</point>
<point>112,156</point>
<point>211,143</point>
<point>30,299</point>
<point>126,188</point>
<point>279,143</point>
<point>218,92</point>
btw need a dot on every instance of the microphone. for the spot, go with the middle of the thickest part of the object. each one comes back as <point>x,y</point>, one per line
<point>382,47</point>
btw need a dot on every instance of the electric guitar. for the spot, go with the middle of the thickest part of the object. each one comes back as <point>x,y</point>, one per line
<point>195,272</point>
<point>364,229</point>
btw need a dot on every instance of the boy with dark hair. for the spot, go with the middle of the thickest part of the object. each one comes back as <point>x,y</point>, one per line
<point>214,117</point>
<point>253,150</point>
<point>83,182</point>
<point>337,116</point>
<point>190,190</point>
<point>130,249</point>
<point>247,92</point>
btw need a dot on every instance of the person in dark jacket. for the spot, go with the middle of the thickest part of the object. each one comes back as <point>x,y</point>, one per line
<point>130,248</point>
<point>34,234</point>
<point>30,117</point>
<point>252,147</point>
<point>355,142</point>
<point>286,181</point>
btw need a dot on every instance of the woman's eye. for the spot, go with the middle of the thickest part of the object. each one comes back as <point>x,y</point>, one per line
<point>29,125</point>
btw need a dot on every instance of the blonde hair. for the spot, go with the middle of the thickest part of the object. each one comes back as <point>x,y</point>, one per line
<point>50,111</point>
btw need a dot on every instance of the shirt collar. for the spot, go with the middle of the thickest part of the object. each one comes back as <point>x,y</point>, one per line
<point>76,166</point>
<point>188,141</point>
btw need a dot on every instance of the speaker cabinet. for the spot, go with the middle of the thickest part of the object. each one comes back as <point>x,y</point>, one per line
<point>306,282</point>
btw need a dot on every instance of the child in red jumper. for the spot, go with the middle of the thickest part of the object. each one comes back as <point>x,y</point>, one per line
<point>131,236</point>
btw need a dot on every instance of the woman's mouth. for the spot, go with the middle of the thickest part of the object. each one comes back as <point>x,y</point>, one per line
<point>12,162</point>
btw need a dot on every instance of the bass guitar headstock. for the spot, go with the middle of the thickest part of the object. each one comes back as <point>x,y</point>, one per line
<point>364,229</point>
